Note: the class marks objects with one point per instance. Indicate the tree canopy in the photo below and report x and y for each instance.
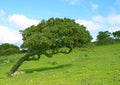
(52, 36)
(8, 49)
(116, 34)
(104, 37)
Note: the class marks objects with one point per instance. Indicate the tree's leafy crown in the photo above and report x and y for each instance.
(116, 34)
(8, 49)
(54, 34)
(103, 35)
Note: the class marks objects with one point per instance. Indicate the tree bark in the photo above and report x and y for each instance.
(21, 60)
(18, 64)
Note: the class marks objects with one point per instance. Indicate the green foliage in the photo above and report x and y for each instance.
(53, 35)
(8, 49)
(116, 34)
(103, 35)
(104, 38)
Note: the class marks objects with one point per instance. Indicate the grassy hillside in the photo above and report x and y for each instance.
(96, 66)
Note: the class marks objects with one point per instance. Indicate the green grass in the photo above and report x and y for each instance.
(95, 66)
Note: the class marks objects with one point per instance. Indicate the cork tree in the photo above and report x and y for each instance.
(52, 36)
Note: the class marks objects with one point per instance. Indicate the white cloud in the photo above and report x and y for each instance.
(110, 23)
(94, 6)
(114, 19)
(9, 36)
(73, 2)
(114, 22)
(89, 24)
(112, 28)
(2, 13)
(100, 23)
(22, 21)
(99, 19)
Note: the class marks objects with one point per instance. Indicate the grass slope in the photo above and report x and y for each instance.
(96, 66)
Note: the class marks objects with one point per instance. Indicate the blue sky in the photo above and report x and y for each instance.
(96, 15)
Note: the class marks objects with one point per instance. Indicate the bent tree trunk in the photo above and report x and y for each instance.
(21, 60)
(17, 65)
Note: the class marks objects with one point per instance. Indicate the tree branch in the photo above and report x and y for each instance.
(33, 58)
(49, 55)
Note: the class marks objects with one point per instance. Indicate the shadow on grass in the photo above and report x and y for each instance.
(46, 68)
